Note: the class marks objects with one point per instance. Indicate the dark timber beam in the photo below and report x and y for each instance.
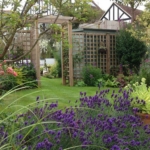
(113, 12)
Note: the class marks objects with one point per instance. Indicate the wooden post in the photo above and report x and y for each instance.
(35, 54)
(108, 53)
(62, 59)
(70, 54)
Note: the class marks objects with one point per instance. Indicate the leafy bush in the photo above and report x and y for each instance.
(107, 81)
(91, 74)
(7, 78)
(54, 70)
(145, 71)
(133, 79)
(48, 75)
(130, 50)
(41, 70)
(80, 83)
(94, 124)
(112, 83)
(57, 56)
(142, 93)
(7, 82)
(27, 74)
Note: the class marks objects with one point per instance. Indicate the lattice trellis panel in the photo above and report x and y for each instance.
(101, 56)
(90, 49)
(89, 44)
(113, 58)
(78, 54)
(65, 55)
(20, 45)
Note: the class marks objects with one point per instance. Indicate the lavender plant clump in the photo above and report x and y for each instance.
(96, 124)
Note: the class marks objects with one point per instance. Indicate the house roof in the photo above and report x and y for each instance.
(125, 9)
(128, 10)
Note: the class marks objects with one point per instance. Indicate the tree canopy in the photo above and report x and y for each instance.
(16, 15)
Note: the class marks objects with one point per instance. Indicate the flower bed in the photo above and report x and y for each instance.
(95, 124)
(11, 77)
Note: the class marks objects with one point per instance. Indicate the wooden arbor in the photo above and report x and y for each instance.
(65, 21)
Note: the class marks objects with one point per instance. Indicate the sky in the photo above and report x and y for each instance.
(105, 4)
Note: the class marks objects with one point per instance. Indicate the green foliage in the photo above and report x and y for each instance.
(122, 80)
(114, 70)
(145, 71)
(48, 75)
(91, 74)
(81, 9)
(80, 84)
(57, 57)
(140, 91)
(134, 78)
(26, 75)
(20, 79)
(54, 70)
(112, 83)
(107, 81)
(7, 82)
(130, 50)
(78, 58)
(41, 70)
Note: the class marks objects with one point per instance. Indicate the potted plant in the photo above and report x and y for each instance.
(141, 94)
(102, 49)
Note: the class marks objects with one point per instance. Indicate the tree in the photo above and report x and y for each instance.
(23, 14)
(130, 50)
(134, 4)
(141, 27)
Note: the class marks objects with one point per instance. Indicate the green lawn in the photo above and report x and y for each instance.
(51, 89)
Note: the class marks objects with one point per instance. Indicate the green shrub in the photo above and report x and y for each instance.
(41, 70)
(57, 56)
(91, 74)
(80, 84)
(26, 74)
(130, 50)
(145, 71)
(48, 75)
(7, 82)
(54, 70)
(142, 93)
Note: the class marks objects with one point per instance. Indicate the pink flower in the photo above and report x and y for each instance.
(11, 71)
(2, 72)
(15, 74)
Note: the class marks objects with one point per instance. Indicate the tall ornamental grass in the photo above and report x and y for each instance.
(94, 124)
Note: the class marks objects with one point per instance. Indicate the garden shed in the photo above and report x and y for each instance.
(91, 46)
(94, 43)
